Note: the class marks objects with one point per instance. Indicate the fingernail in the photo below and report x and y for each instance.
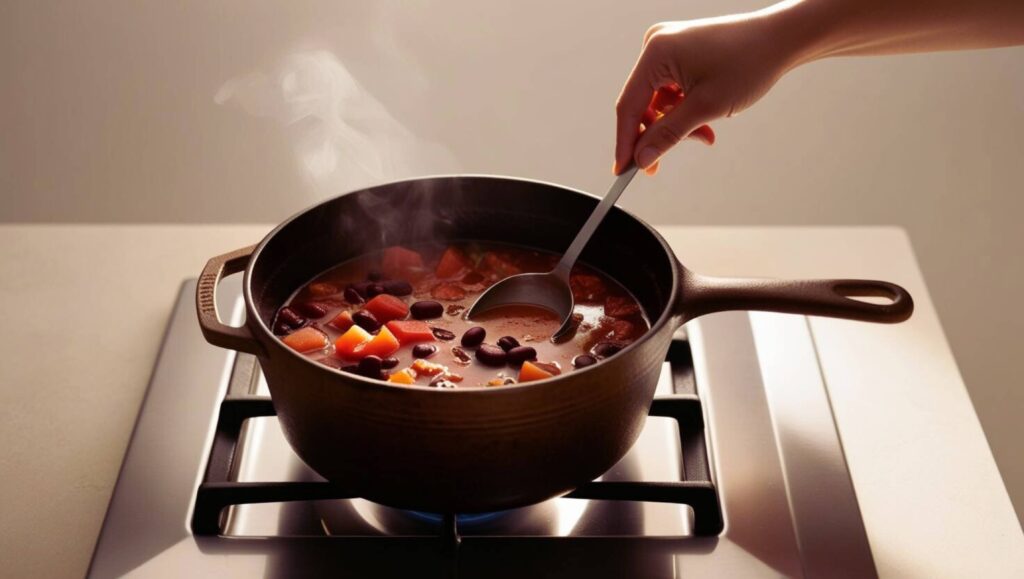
(647, 157)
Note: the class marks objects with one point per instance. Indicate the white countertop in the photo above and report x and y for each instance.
(84, 308)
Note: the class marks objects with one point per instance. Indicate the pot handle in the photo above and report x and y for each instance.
(215, 331)
(831, 298)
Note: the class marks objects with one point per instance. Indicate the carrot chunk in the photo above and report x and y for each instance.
(403, 377)
(530, 372)
(342, 321)
(453, 263)
(387, 307)
(399, 262)
(411, 331)
(306, 340)
(383, 344)
(347, 345)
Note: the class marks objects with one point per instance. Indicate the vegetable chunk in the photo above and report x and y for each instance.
(531, 372)
(411, 331)
(454, 262)
(399, 262)
(306, 340)
(383, 344)
(347, 345)
(387, 307)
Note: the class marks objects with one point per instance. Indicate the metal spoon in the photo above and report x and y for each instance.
(551, 290)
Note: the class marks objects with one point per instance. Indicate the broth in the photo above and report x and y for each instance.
(398, 315)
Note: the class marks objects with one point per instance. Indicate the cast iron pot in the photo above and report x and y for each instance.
(482, 449)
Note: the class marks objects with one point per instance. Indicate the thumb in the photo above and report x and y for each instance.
(668, 131)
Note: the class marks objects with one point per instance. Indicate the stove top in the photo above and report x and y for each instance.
(739, 472)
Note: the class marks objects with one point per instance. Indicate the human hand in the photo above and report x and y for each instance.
(720, 65)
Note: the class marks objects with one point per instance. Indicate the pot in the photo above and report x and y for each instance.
(484, 449)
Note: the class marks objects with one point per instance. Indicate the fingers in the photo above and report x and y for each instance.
(685, 118)
(629, 111)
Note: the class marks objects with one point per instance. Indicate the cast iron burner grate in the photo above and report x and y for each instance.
(696, 489)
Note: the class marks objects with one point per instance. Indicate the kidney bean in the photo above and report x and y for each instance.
(443, 334)
(281, 328)
(461, 356)
(366, 321)
(371, 366)
(423, 350)
(352, 296)
(397, 287)
(474, 337)
(374, 290)
(507, 343)
(362, 288)
(606, 349)
(389, 363)
(516, 356)
(584, 360)
(491, 355)
(291, 317)
(310, 309)
(426, 310)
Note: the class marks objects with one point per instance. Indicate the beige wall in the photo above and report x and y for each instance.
(107, 113)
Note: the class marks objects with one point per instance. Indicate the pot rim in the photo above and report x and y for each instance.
(251, 315)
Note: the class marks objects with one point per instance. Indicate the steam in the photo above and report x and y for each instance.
(343, 137)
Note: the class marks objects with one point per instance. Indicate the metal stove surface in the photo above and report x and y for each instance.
(785, 491)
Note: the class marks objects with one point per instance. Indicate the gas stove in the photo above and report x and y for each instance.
(739, 472)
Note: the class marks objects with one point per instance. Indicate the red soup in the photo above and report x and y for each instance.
(399, 315)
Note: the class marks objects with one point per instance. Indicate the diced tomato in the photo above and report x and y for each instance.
(448, 291)
(453, 263)
(306, 340)
(342, 321)
(347, 345)
(321, 289)
(411, 331)
(620, 307)
(399, 262)
(531, 372)
(403, 377)
(387, 307)
(383, 344)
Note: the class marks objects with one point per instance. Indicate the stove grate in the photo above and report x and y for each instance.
(697, 490)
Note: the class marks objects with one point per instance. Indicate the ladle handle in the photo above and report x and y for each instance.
(568, 260)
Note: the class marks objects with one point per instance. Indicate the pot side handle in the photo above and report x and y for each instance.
(214, 330)
(831, 298)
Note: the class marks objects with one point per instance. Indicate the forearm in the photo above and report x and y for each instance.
(822, 28)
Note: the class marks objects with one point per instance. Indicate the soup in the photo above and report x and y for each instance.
(399, 315)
